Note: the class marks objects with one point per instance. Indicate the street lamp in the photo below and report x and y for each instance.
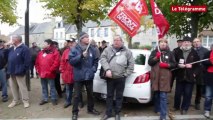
(27, 40)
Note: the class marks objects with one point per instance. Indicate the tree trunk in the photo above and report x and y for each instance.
(79, 21)
(79, 26)
(129, 39)
(194, 20)
(194, 24)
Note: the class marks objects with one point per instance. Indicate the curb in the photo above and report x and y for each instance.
(177, 117)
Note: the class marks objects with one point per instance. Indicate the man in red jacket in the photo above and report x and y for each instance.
(67, 73)
(47, 63)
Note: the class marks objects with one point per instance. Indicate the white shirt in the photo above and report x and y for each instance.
(17, 46)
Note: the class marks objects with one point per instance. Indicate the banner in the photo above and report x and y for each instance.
(160, 21)
(127, 14)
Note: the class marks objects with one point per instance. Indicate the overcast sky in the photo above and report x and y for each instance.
(37, 15)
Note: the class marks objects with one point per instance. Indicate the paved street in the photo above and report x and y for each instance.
(50, 112)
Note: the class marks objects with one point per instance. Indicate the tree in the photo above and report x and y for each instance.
(182, 24)
(78, 12)
(7, 11)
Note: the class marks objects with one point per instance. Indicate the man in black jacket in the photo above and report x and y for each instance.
(186, 74)
(3, 62)
(199, 78)
(175, 50)
(103, 46)
(34, 50)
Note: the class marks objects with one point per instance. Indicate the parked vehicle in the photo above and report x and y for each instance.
(138, 84)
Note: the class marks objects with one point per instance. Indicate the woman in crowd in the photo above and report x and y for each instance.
(161, 62)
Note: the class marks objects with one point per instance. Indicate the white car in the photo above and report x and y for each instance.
(138, 84)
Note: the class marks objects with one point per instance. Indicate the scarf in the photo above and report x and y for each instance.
(83, 46)
(186, 51)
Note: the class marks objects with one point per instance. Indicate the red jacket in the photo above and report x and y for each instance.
(47, 63)
(65, 67)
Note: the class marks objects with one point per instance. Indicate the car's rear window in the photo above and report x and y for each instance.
(140, 59)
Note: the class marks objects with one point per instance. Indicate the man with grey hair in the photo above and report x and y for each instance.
(18, 65)
(118, 63)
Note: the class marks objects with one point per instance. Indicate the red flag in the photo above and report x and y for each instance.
(160, 21)
(127, 14)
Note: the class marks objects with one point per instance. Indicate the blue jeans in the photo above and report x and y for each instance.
(160, 99)
(208, 98)
(69, 89)
(183, 92)
(44, 84)
(3, 81)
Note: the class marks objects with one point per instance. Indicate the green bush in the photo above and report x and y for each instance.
(135, 46)
(143, 47)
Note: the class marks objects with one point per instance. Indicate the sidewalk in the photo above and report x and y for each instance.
(50, 112)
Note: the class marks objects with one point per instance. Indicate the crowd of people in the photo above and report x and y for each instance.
(190, 65)
(77, 63)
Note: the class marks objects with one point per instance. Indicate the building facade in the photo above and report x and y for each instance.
(59, 31)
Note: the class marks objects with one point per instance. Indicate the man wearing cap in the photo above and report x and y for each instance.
(84, 62)
(3, 62)
(179, 44)
(67, 73)
(186, 74)
(175, 50)
(64, 47)
(199, 78)
(34, 50)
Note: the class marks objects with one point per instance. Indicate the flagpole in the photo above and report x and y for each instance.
(156, 37)
(160, 23)
(194, 62)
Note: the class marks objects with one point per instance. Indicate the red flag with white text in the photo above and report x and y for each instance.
(127, 14)
(160, 21)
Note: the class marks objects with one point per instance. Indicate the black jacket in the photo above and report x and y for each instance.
(201, 51)
(3, 57)
(175, 51)
(34, 52)
(187, 74)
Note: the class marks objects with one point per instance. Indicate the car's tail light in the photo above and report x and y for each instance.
(142, 78)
